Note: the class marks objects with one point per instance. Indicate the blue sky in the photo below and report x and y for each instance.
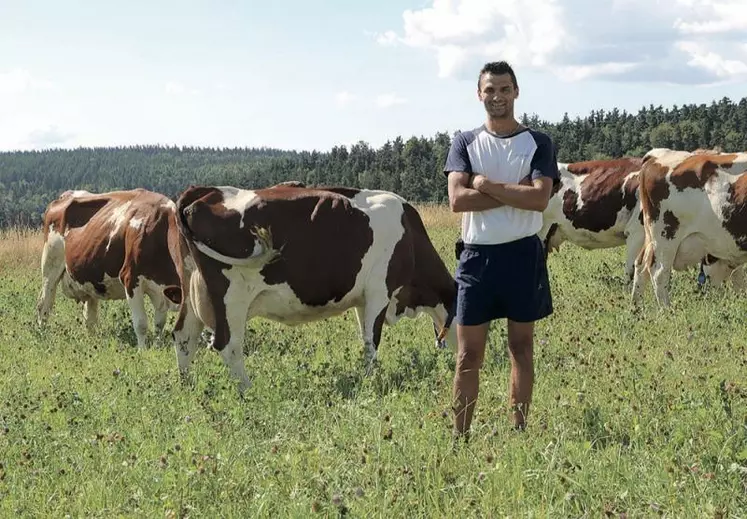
(311, 75)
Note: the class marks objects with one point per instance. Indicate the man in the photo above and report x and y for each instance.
(500, 177)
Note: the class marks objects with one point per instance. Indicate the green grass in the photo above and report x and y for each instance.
(633, 415)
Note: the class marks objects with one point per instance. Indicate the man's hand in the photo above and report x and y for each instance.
(527, 194)
(480, 181)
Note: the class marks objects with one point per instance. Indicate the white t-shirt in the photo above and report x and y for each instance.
(502, 159)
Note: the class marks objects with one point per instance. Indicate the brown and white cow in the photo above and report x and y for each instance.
(294, 255)
(693, 205)
(116, 245)
(595, 206)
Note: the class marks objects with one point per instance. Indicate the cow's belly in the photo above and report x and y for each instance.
(594, 240)
(108, 288)
(279, 303)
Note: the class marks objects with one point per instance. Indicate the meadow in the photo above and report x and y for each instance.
(634, 414)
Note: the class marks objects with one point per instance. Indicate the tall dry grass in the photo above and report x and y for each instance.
(20, 247)
(438, 216)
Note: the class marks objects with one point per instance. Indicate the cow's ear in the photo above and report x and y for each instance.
(174, 294)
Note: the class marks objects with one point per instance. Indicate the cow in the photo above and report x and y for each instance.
(111, 246)
(294, 254)
(694, 206)
(595, 206)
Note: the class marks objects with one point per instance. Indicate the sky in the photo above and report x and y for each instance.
(310, 75)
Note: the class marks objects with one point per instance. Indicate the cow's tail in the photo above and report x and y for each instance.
(263, 252)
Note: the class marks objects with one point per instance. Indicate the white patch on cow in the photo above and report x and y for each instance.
(136, 223)
(235, 199)
(169, 204)
(116, 220)
(112, 288)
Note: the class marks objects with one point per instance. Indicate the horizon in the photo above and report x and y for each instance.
(348, 146)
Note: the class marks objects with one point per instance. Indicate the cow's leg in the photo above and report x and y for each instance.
(661, 271)
(53, 268)
(160, 311)
(186, 337)
(136, 301)
(633, 245)
(91, 313)
(237, 303)
(640, 278)
(372, 316)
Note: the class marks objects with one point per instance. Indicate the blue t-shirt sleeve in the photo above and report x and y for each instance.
(458, 158)
(544, 162)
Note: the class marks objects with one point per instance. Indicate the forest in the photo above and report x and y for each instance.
(411, 166)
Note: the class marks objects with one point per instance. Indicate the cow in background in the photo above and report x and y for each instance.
(111, 246)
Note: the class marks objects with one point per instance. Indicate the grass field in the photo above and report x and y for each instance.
(633, 415)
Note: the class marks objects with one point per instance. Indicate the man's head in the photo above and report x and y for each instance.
(497, 89)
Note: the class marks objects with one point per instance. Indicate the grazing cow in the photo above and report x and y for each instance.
(693, 205)
(294, 255)
(116, 245)
(595, 206)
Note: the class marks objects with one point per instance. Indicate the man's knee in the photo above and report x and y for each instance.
(470, 358)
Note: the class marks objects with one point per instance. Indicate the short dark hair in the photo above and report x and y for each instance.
(497, 68)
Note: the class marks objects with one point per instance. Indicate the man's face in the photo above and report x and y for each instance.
(497, 93)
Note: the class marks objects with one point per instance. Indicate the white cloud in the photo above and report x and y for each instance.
(176, 88)
(388, 38)
(33, 132)
(672, 41)
(710, 61)
(388, 100)
(345, 98)
(19, 81)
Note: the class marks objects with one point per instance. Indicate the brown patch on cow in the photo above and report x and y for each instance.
(630, 193)
(653, 188)
(671, 224)
(314, 249)
(695, 171)
(735, 213)
(570, 199)
(602, 192)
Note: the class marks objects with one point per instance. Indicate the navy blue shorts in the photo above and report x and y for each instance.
(506, 280)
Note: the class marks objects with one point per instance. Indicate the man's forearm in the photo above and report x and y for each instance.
(515, 195)
(468, 199)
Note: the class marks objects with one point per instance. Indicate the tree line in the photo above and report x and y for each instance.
(29, 180)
